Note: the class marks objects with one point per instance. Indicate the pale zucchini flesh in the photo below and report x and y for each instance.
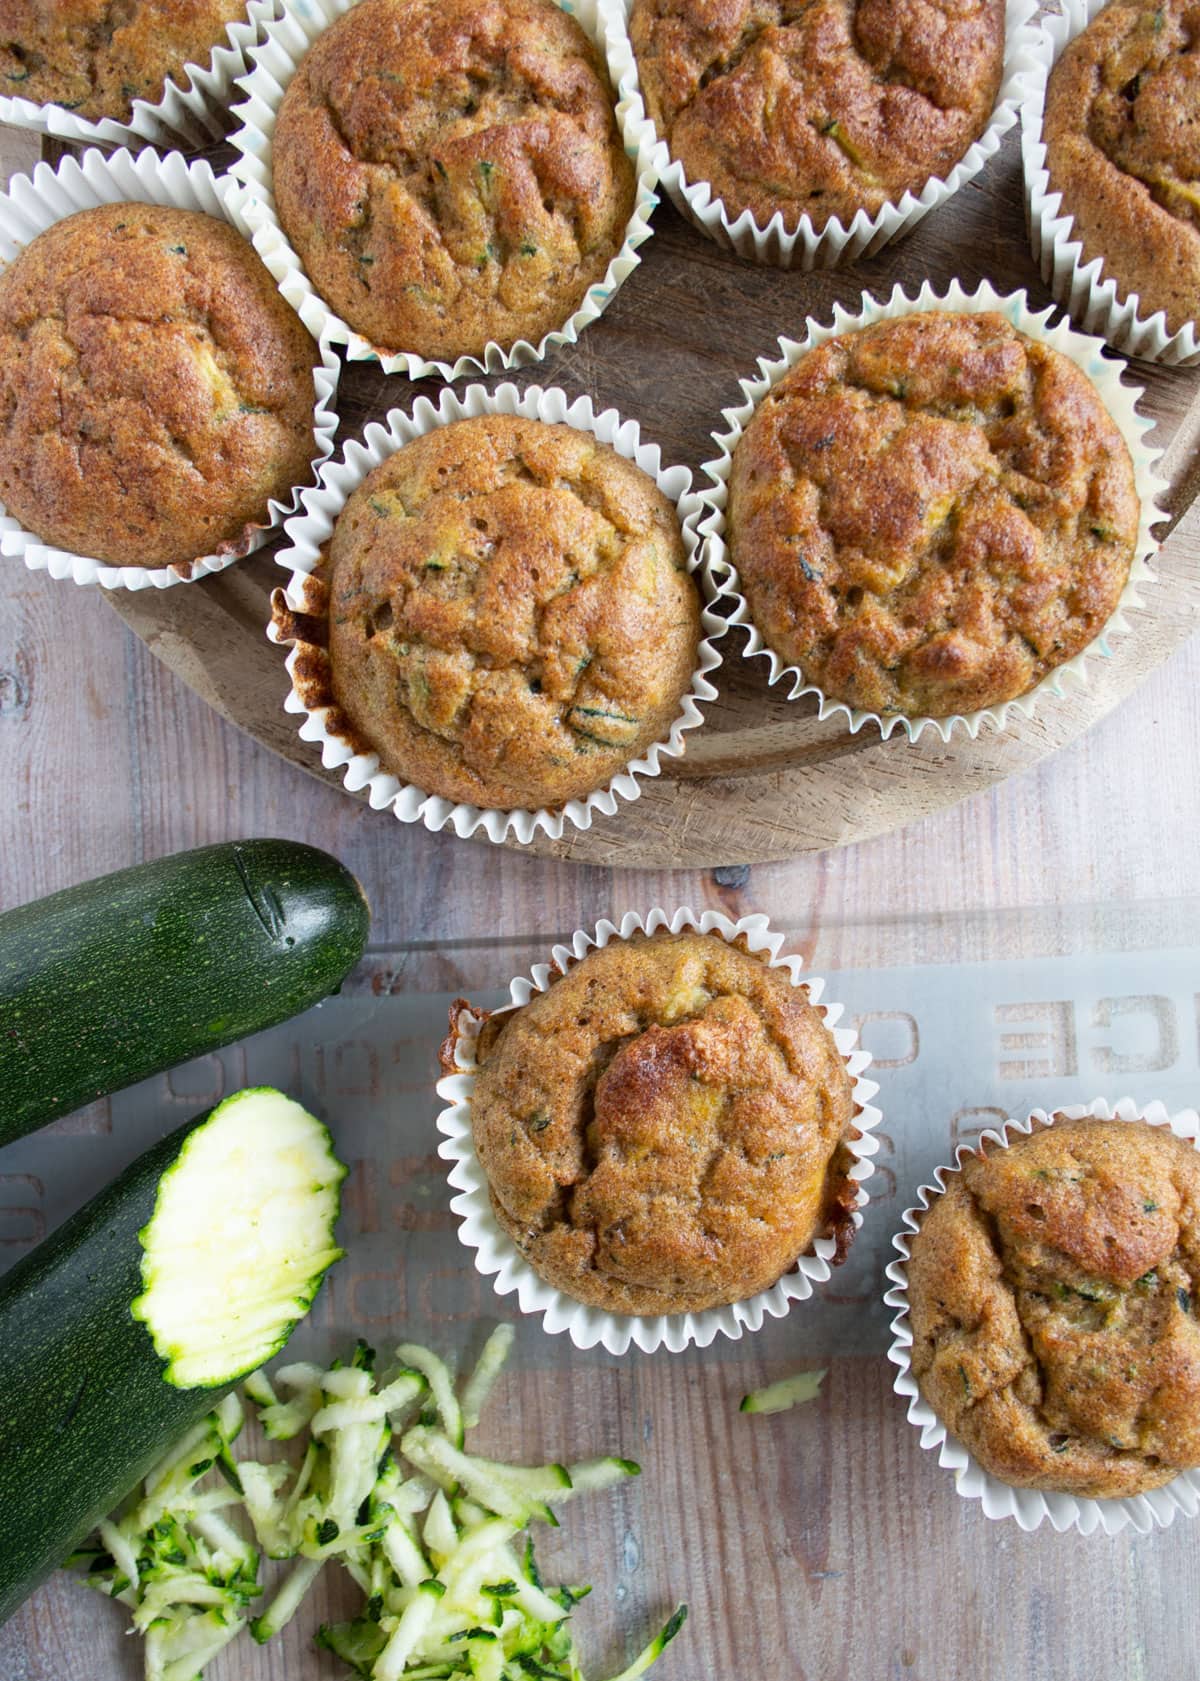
(488, 1367)
(787, 1392)
(240, 1238)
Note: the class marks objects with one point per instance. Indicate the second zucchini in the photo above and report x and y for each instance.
(182, 1276)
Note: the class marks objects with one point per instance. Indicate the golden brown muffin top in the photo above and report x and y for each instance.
(664, 1130)
(155, 389)
(95, 58)
(931, 514)
(1054, 1293)
(1122, 132)
(511, 619)
(818, 107)
(450, 172)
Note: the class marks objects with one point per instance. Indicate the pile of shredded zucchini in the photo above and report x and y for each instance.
(171, 1555)
(433, 1535)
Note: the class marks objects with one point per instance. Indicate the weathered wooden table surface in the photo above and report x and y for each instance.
(840, 1549)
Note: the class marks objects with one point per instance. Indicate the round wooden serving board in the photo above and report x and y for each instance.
(763, 779)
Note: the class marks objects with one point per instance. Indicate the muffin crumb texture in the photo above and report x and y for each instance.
(818, 108)
(931, 514)
(155, 390)
(511, 621)
(1122, 133)
(1054, 1294)
(450, 171)
(664, 1130)
(94, 57)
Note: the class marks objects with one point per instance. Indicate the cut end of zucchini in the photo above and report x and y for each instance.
(240, 1238)
(788, 1392)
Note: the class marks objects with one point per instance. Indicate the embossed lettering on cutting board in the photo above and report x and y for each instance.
(21, 1225)
(903, 1039)
(1046, 1028)
(1154, 1019)
(967, 1124)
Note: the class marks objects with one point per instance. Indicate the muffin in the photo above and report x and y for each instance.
(449, 172)
(1053, 1293)
(155, 389)
(511, 620)
(95, 59)
(1122, 134)
(930, 514)
(665, 1129)
(819, 110)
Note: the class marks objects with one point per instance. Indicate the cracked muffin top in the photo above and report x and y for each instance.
(95, 57)
(1122, 133)
(932, 513)
(818, 107)
(450, 172)
(155, 389)
(664, 1130)
(511, 620)
(1054, 1293)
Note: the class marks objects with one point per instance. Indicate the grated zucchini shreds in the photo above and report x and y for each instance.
(432, 1534)
(186, 1575)
(487, 1369)
(788, 1392)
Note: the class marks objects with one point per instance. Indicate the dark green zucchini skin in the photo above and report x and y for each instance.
(84, 1410)
(119, 978)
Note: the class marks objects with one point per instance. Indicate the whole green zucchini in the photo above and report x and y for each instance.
(181, 1277)
(119, 978)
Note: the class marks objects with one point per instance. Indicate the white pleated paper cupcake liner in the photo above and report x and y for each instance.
(191, 109)
(1092, 298)
(724, 582)
(495, 1254)
(311, 528)
(274, 63)
(1029, 1506)
(806, 247)
(34, 203)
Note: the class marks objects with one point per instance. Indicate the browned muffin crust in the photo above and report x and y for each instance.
(931, 514)
(450, 172)
(511, 619)
(818, 107)
(95, 57)
(1054, 1294)
(1122, 132)
(665, 1129)
(155, 389)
